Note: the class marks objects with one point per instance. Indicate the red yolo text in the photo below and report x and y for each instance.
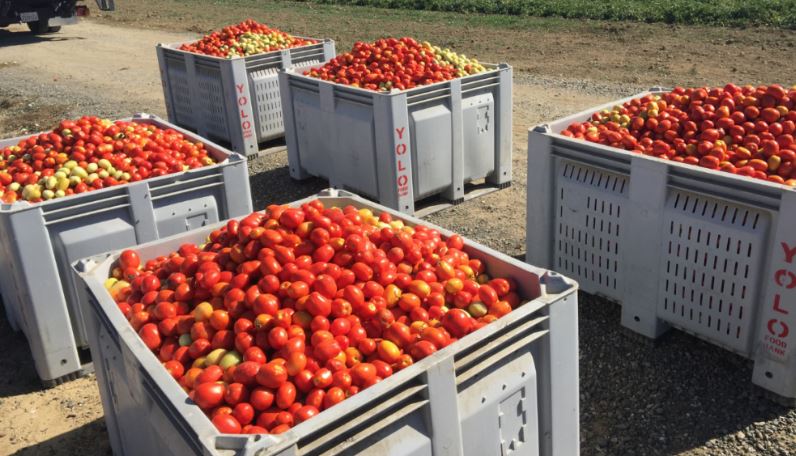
(777, 327)
(400, 160)
(245, 122)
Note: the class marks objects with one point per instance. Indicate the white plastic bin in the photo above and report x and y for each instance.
(508, 388)
(705, 251)
(38, 242)
(400, 147)
(232, 101)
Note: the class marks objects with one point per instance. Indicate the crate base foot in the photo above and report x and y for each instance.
(646, 324)
(84, 371)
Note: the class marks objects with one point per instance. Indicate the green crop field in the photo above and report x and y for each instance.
(776, 13)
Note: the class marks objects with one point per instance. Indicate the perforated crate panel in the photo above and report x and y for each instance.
(180, 89)
(711, 265)
(589, 208)
(268, 101)
(211, 100)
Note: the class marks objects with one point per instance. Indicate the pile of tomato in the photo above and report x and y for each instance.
(288, 312)
(395, 63)
(748, 131)
(92, 153)
(247, 38)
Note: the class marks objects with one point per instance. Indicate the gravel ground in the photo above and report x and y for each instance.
(677, 395)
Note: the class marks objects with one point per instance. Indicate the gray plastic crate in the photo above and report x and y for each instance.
(232, 101)
(705, 251)
(403, 146)
(509, 388)
(38, 242)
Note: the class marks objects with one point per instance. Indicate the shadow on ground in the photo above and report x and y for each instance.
(275, 186)
(662, 397)
(20, 38)
(83, 438)
(17, 374)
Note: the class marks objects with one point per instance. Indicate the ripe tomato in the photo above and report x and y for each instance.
(226, 424)
(129, 259)
(272, 375)
(261, 398)
(209, 395)
(285, 395)
(363, 374)
(244, 413)
(150, 334)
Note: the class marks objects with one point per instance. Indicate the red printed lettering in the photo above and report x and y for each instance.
(400, 149)
(778, 278)
(400, 165)
(778, 329)
(783, 328)
(246, 125)
(243, 101)
(790, 252)
(777, 302)
(239, 87)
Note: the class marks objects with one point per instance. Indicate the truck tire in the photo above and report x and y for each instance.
(41, 27)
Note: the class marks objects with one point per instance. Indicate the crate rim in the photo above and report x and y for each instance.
(199, 422)
(492, 69)
(141, 117)
(728, 178)
(175, 47)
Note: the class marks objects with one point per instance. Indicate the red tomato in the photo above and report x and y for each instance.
(227, 424)
(209, 395)
(150, 334)
(272, 375)
(244, 413)
(363, 373)
(306, 412)
(457, 322)
(129, 259)
(261, 398)
(285, 395)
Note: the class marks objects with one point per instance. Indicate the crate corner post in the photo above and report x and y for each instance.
(559, 401)
(171, 113)
(444, 404)
(540, 194)
(393, 152)
(504, 135)
(647, 197)
(239, 99)
(775, 364)
(54, 356)
(295, 169)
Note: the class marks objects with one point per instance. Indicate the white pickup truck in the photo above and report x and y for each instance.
(46, 16)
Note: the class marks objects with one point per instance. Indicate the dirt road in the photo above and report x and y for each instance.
(636, 398)
(93, 57)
